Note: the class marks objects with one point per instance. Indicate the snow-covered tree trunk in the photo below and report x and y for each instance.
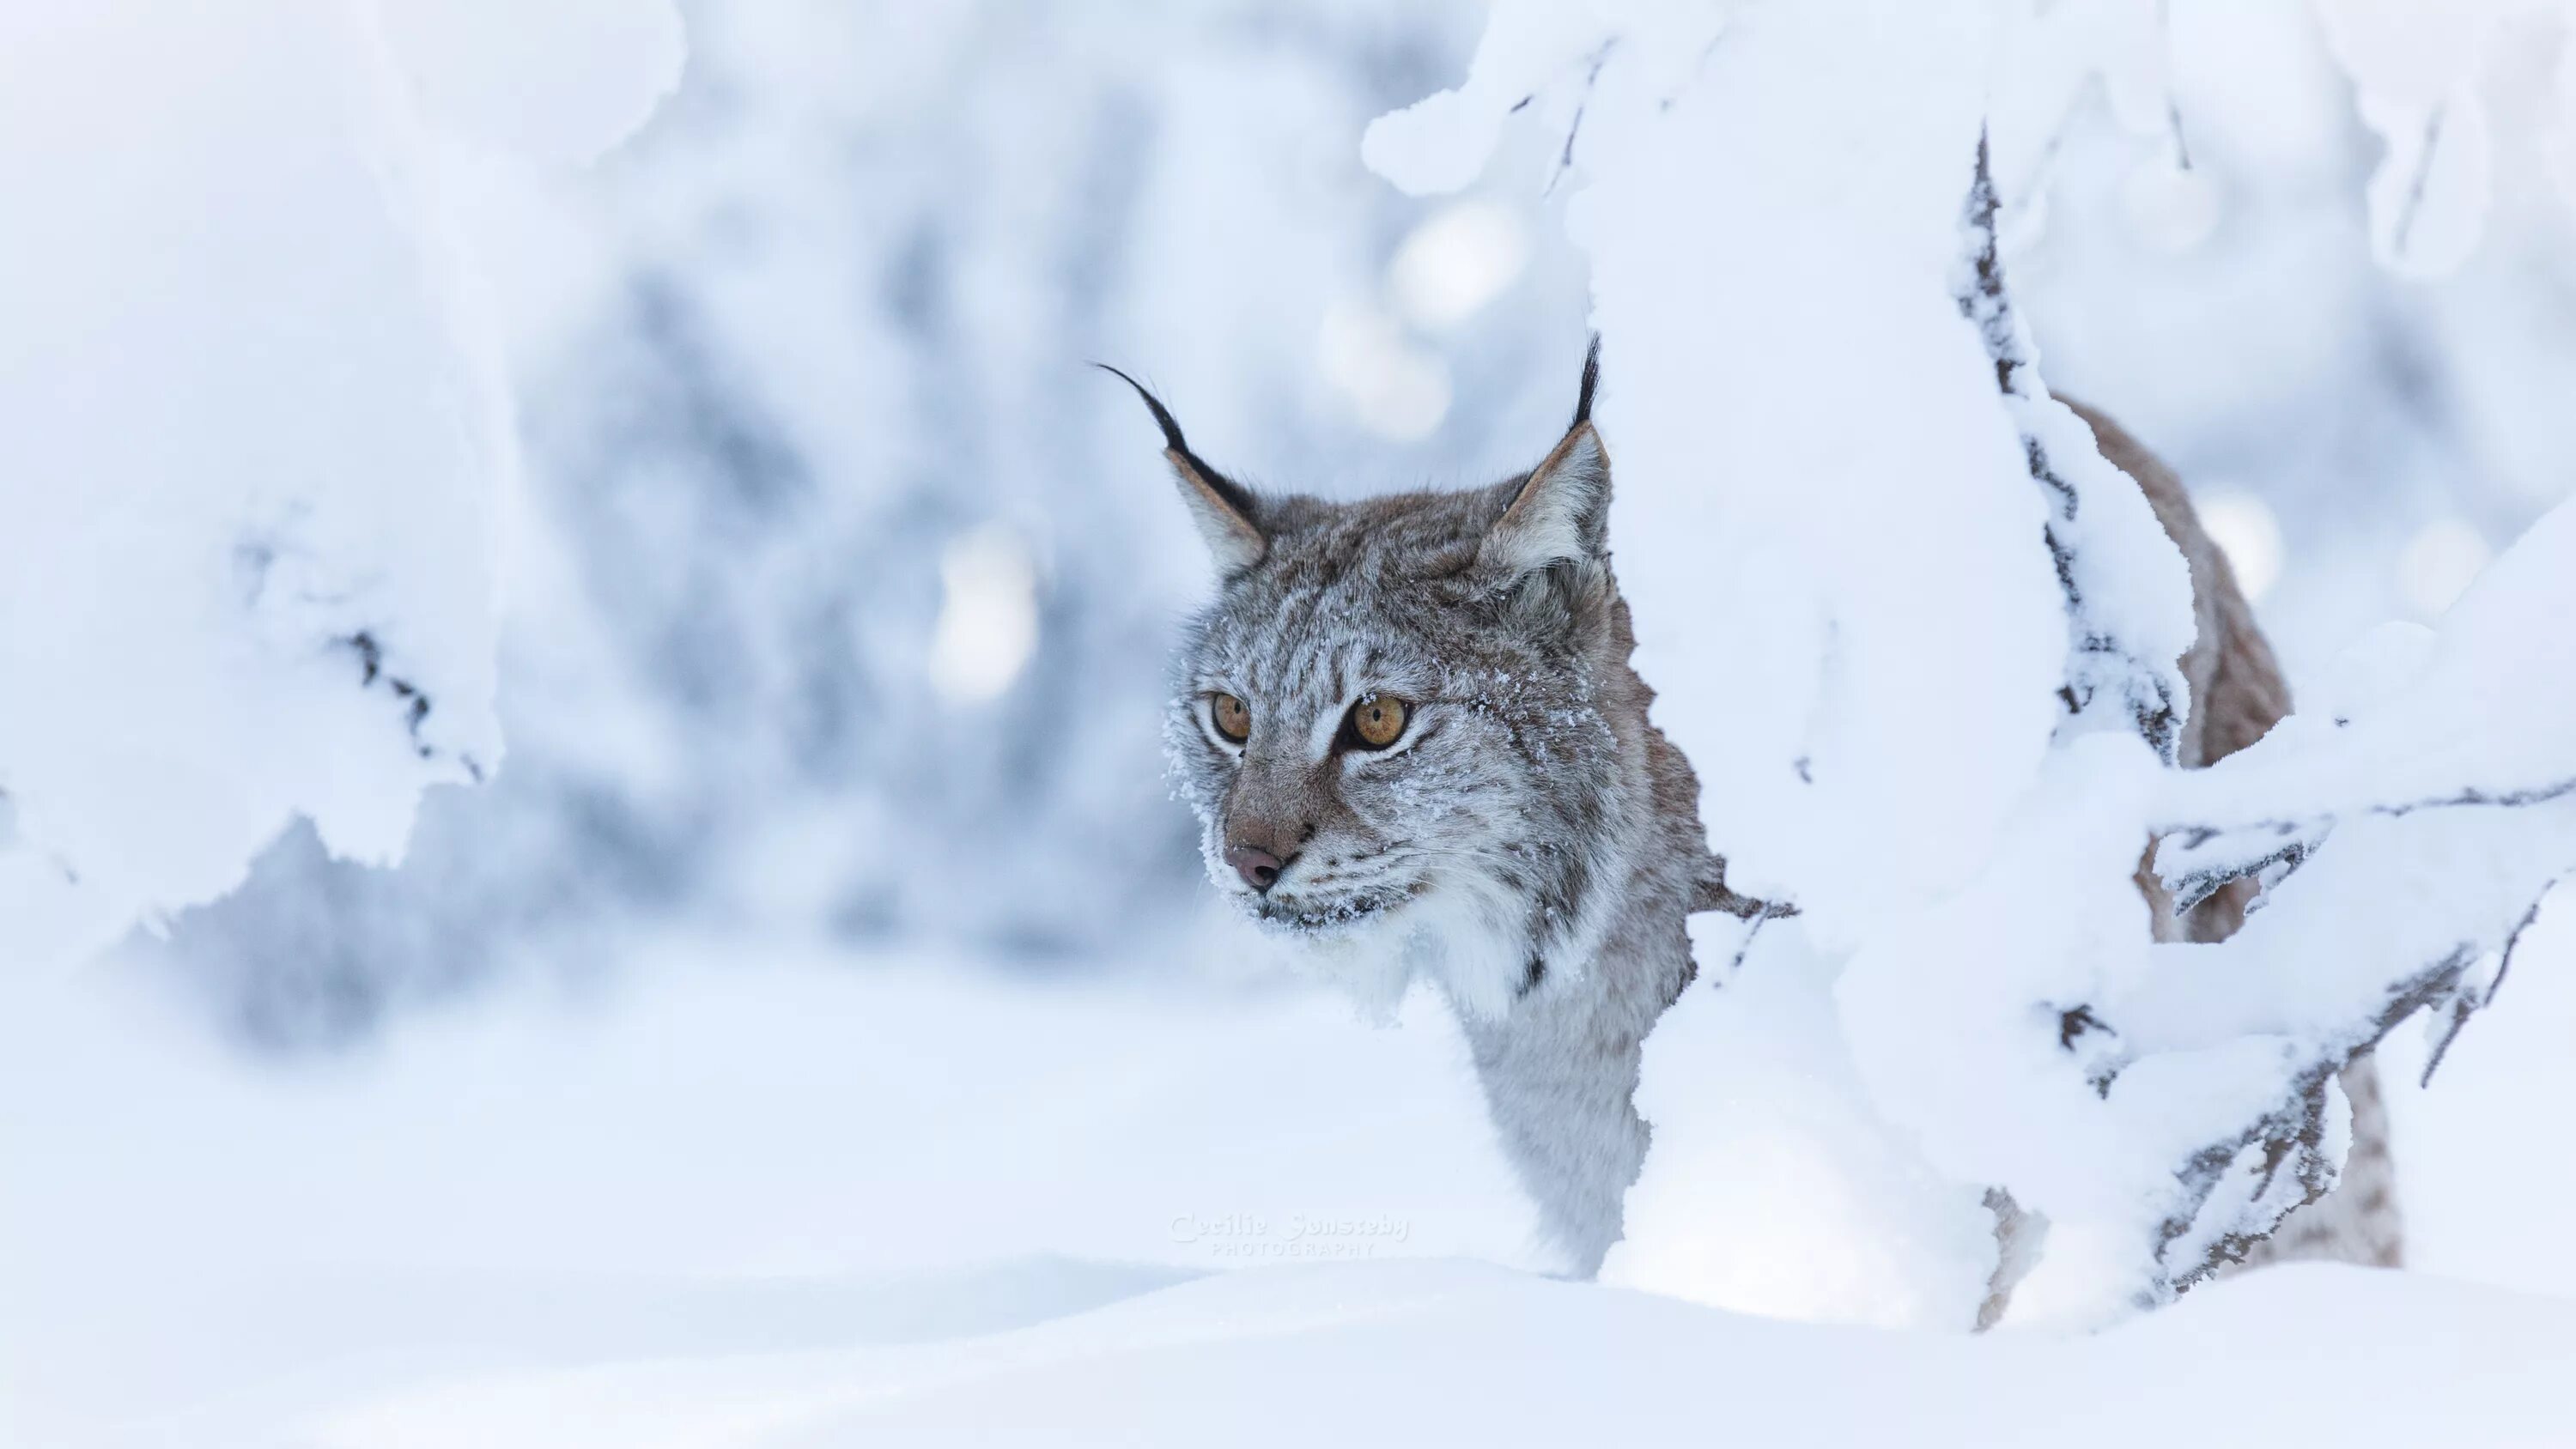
(1928, 674)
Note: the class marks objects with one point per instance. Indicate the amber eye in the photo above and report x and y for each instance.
(1377, 722)
(1233, 717)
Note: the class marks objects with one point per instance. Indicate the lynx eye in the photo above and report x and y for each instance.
(1376, 722)
(1233, 718)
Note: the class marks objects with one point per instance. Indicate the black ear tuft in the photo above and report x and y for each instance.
(1227, 514)
(1172, 438)
(1582, 404)
(1233, 494)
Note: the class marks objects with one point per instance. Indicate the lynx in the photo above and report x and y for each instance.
(1413, 740)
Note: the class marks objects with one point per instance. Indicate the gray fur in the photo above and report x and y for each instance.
(1532, 845)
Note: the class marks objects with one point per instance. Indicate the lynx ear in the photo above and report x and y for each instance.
(1562, 509)
(1226, 512)
(1561, 512)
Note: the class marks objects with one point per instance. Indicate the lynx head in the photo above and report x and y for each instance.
(1407, 724)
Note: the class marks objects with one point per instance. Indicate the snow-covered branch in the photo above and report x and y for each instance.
(1925, 645)
(2127, 624)
(258, 446)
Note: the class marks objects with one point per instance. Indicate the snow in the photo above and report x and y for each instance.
(1722, 395)
(2487, 703)
(1833, 421)
(2416, 69)
(814, 1199)
(1774, 1185)
(260, 444)
(788, 1152)
(559, 83)
(1754, 300)
(1448, 1352)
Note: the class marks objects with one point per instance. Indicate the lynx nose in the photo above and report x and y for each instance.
(1259, 868)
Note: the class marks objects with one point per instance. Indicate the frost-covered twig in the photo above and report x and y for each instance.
(2195, 878)
(2197, 859)
(2281, 1153)
(2466, 998)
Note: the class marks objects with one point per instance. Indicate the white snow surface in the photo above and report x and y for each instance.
(814, 1199)
(1446, 1351)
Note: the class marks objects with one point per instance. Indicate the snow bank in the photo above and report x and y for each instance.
(257, 446)
(1775, 1185)
(745, 1182)
(736, 1150)
(1451, 1352)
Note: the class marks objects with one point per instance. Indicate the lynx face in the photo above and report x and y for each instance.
(1387, 726)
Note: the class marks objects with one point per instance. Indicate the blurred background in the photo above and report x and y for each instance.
(842, 585)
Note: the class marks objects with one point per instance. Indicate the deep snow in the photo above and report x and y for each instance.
(877, 1202)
